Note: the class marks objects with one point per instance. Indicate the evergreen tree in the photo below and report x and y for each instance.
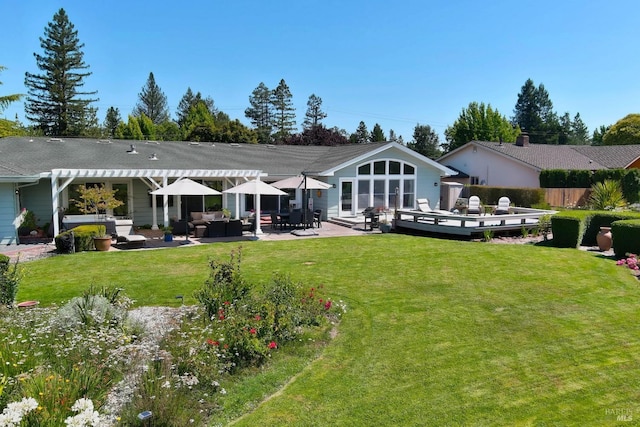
(564, 137)
(392, 136)
(111, 121)
(579, 131)
(260, 113)
(54, 102)
(426, 142)
(314, 114)
(189, 99)
(534, 114)
(598, 135)
(284, 116)
(152, 102)
(5, 100)
(377, 134)
(361, 135)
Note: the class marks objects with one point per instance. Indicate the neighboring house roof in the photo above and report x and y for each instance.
(542, 156)
(611, 156)
(41, 155)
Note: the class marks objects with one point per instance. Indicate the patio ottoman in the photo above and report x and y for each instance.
(201, 230)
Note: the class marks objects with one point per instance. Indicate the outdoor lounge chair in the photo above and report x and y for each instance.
(124, 234)
(503, 206)
(424, 206)
(474, 207)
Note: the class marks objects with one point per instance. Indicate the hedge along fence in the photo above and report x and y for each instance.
(82, 238)
(572, 229)
(561, 178)
(525, 197)
(626, 237)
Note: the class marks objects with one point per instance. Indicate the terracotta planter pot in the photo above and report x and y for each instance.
(604, 239)
(102, 243)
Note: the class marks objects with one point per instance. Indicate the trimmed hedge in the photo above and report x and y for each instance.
(626, 237)
(82, 238)
(525, 197)
(572, 229)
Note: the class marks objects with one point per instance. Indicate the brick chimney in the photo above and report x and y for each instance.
(522, 140)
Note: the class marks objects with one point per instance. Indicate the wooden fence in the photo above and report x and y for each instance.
(567, 197)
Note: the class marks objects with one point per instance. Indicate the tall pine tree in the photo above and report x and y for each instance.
(152, 102)
(284, 117)
(314, 115)
(377, 134)
(534, 114)
(111, 121)
(54, 101)
(260, 113)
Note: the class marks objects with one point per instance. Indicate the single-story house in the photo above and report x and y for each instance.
(519, 165)
(42, 175)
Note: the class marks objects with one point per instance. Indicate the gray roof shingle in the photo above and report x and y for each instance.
(36, 155)
(541, 156)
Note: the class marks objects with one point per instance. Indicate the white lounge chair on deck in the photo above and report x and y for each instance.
(474, 206)
(503, 206)
(124, 233)
(423, 205)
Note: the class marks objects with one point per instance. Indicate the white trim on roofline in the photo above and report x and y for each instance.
(155, 173)
(445, 170)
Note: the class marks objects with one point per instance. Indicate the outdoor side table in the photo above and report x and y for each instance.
(201, 230)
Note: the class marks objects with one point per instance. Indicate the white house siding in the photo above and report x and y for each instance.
(493, 169)
(8, 212)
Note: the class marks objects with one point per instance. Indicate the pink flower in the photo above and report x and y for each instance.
(327, 306)
(273, 344)
(253, 331)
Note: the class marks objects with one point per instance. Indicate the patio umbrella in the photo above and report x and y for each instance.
(186, 187)
(299, 182)
(304, 182)
(255, 187)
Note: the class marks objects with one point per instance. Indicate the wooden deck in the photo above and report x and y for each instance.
(467, 225)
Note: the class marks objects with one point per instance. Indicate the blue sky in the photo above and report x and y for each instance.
(396, 63)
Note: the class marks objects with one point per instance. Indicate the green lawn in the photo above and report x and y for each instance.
(437, 332)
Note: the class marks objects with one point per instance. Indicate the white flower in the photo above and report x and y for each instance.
(82, 405)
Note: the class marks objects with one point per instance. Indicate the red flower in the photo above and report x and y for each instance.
(327, 306)
(273, 344)
(252, 331)
(227, 303)
(212, 342)
(221, 317)
(258, 317)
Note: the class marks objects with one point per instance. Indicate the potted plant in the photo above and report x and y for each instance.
(102, 241)
(28, 223)
(168, 233)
